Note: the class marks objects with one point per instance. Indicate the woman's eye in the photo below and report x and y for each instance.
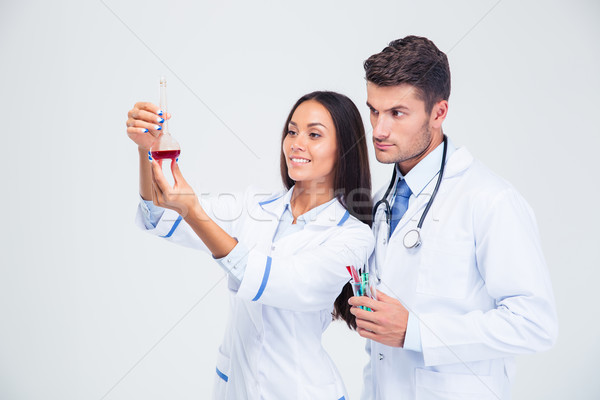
(290, 132)
(314, 135)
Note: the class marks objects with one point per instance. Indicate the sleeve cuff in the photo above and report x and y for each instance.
(151, 213)
(235, 262)
(412, 339)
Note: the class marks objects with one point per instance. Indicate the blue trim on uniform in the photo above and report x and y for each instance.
(263, 284)
(262, 203)
(344, 218)
(342, 398)
(225, 377)
(177, 221)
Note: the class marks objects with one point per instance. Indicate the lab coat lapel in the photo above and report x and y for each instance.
(458, 162)
(331, 215)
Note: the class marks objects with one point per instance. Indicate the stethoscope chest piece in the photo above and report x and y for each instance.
(412, 239)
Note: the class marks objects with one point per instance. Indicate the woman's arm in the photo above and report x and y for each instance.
(144, 123)
(181, 198)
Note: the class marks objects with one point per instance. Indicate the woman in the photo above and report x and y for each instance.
(286, 255)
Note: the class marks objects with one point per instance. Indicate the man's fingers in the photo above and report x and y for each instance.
(366, 333)
(384, 297)
(359, 313)
(363, 301)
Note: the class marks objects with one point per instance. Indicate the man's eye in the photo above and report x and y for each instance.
(397, 113)
(373, 111)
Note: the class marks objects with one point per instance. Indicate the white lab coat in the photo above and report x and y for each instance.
(272, 346)
(478, 284)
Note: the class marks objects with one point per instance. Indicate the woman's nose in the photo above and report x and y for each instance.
(299, 144)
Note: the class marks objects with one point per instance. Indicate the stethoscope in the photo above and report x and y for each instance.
(412, 238)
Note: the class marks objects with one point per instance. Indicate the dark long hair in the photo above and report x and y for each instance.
(352, 176)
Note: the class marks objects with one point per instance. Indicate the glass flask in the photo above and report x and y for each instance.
(164, 147)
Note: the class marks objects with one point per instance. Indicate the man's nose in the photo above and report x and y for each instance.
(381, 128)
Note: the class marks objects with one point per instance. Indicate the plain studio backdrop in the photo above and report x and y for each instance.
(93, 308)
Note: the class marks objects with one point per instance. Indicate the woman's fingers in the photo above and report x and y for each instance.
(159, 178)
(177, 176)
(146, 106)
(146, 116)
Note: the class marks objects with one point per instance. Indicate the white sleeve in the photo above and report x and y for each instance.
(510, 260)
(310, 280)
(223, 209)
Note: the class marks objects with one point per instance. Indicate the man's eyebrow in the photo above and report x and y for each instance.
(396, 107)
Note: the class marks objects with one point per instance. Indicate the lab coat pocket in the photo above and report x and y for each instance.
(432, 385)
(222, 376)
(445, 268)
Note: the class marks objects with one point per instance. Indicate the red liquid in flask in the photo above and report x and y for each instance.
(164, 154)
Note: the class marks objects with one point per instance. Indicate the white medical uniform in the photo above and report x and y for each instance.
(477, 289)
(272, 346)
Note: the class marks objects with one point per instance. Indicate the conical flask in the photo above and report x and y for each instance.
(164, 147)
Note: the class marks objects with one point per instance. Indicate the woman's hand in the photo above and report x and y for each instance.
(144, 124)
(179, 197)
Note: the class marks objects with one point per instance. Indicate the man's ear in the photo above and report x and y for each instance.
(438, 114)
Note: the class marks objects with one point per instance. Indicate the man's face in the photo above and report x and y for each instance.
(401, 127)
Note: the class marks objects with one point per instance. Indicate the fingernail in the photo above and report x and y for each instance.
(145, 130)
(160, 112)
(158, 127)
(150, 158)
(149, 154)
(160, 120)
(177, 159)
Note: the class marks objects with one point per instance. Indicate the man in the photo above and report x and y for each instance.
(460, 298)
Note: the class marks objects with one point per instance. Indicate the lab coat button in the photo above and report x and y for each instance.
(380, 356)
(229, 260)
(384, 241)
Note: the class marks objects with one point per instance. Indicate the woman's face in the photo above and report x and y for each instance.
(310, 146)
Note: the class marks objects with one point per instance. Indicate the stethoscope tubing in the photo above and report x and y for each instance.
(412, 238)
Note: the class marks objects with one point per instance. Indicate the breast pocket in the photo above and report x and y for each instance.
(445, 268)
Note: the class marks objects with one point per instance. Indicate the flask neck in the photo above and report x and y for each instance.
(163, 105)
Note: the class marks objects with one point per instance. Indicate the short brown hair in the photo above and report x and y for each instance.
(415, 61)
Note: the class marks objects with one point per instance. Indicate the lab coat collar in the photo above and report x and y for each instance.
(426, 170)
(456, 163)
(327, 214)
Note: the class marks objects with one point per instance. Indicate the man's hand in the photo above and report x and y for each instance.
(387, 322)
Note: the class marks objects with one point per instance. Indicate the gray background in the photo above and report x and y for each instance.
(92, 308)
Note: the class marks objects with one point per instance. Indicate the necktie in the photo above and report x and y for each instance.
(400, 204)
